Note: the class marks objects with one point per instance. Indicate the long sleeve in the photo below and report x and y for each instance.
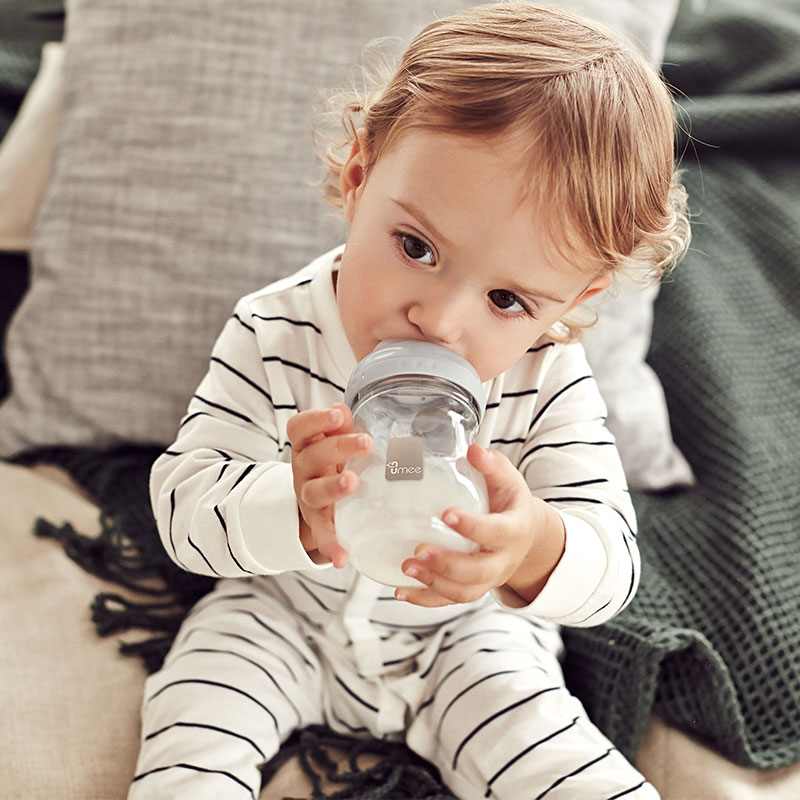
(223, 493)
(569, 459)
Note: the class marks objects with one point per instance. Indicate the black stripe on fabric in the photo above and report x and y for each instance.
(296, 611)
(505, 395)
(245, 472)
(297, 322)
(220, 407)
(575, 772)
(247, 640)
(354, 695)
(171, 538)
(466, 689)
(525, 752)
(444, 648)
(574, 499)
(218, 685)
(352, 728)
(313, 596)
(258, 666)
(518, 440)
(196, 769)
(594, 613)
(224, 527)
(172, 505)
(204, 726)
(339, 589)
(629, 595)
(577, 484)
(625, 521)
(627, 791)
(302, 368)
(243, 323)
(210, 599)
(186, 420)
(495, 716)
(426, 626)
(540, 347)
(202, 555)
(239, 374)
(438, 685)
(555, 397)
(275, 633)
(565, 444)
(411, 656)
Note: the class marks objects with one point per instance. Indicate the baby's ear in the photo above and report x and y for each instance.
(598, 284)
(354, 173)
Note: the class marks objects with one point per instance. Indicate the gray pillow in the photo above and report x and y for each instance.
(181, 179)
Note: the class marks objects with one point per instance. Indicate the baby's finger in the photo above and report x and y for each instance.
(331, 550)
(422, 597)
(460, 577)
(325, 540)
(479, 528)
(306, 427)
(326, 454)
(319, 493)
(502, 477)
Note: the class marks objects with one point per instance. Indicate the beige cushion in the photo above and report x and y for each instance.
(70, 702)
(26, 149)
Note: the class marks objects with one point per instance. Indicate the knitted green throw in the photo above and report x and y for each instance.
(712, 639)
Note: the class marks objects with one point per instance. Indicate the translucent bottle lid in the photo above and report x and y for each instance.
(398, 357)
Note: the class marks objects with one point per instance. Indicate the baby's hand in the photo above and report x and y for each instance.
(521, 540)
(322, 442)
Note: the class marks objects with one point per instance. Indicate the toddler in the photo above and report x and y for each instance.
(516, 159)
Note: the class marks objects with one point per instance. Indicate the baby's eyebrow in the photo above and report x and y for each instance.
(538, 294)
(421, 217)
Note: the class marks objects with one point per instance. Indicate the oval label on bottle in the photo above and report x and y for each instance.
(404, 458)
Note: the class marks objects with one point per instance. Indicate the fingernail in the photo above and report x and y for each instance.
(335, 416)
(412, 572)
(362, 441)
(451, 519)
(401, 596)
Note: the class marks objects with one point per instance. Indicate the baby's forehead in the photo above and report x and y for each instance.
(442, 176)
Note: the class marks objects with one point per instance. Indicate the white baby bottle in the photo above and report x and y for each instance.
(422, 404)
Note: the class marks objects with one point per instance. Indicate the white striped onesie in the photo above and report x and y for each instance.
(282, 643)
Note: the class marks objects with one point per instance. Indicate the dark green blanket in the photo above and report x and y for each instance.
(712, 640)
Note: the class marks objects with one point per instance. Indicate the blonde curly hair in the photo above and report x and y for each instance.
(597, 121)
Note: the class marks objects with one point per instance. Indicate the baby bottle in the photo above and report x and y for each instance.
(422, 404)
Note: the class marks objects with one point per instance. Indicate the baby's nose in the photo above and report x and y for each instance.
(441, 318)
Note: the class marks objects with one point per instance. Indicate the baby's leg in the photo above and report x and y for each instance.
(498, 722)
(238, 680)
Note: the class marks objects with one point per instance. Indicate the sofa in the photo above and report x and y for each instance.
(157, 164)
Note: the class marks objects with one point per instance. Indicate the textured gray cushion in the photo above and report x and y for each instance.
(181, 180)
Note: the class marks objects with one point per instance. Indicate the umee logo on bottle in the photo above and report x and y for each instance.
(404, 459)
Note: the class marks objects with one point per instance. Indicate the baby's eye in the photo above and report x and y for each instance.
(507, 301)
(417, 250)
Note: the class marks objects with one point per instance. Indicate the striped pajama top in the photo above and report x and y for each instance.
(223, 494)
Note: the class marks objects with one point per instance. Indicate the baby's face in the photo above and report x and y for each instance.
(444, 247)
